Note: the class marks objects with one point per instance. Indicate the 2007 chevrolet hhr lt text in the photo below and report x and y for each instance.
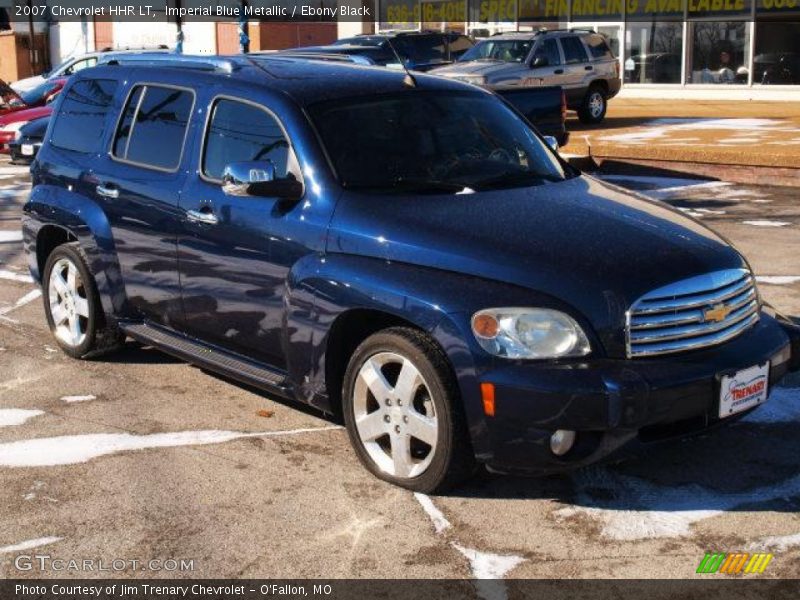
(402, 250)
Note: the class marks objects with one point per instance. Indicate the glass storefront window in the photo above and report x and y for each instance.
(653, 52)
(719, 52)
(399, 14)
(777, 53)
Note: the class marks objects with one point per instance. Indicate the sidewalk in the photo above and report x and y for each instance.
(745, 135)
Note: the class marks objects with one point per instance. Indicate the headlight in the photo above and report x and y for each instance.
(529, 333)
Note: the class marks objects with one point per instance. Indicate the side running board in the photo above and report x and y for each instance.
(210, 357)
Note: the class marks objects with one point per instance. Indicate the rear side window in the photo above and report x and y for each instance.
(459, 45)
(549, 50)
(573, 50)
(243, 132)
(597, 46)
(152, 128)
(80, 122)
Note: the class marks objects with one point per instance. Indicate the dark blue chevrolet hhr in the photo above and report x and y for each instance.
(403, 251)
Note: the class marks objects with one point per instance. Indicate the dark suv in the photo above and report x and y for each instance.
(419, 51)
(578, 60)
(403, 251)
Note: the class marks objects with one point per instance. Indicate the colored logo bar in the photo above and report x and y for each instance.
(737, 562)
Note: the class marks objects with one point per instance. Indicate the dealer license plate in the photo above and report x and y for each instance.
(744, 389)
(27, 149)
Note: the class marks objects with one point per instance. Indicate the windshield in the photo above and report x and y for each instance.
(432, 142)
(38, 94)
(505, 50)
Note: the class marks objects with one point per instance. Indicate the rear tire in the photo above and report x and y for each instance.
(595, 104)
(403, 414)
(72, 305)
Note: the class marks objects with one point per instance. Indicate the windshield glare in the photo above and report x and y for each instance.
(505, 50)
(432, 141)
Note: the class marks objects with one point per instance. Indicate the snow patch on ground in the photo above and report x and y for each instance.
(631, 508)
(440, 522)
(71, 399)
(10, 236)
(16, 416)
(28, 544)
(75, 449)
(776, 543)
(10, 275)
(766, 223)
(660, 128)
(778, 279)
(486, 565)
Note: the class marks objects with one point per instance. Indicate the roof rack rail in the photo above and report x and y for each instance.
(567, 29)
(326, 56)
(184, 61)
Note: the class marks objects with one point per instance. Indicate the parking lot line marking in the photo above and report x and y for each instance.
(85, 398)
(75, 449)
(29, 297)
(10, 275)
(440, 522)
(28, 544)
(778, 279)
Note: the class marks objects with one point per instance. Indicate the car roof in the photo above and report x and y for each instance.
(306, 81)
(529, 35)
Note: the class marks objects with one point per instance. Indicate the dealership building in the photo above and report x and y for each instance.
(737, 49)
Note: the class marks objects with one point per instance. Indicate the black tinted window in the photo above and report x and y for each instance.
(154, 124)
(243, 132)
(81, 118)
(421, 48)
(598, 47)
(549, 50)
(573, 50)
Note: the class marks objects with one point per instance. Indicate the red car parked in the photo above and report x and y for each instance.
(31, 105)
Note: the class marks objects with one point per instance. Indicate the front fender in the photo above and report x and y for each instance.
(52, 206)
(436, 301)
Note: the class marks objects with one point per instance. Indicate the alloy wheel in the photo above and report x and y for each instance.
(69, 306)
(596, 104)
(394, 415)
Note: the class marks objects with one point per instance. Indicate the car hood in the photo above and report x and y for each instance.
(478, 67)
(27, 84)
(592, 246)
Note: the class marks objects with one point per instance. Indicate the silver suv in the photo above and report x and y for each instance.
(580, 61)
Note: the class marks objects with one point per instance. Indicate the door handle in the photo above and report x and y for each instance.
(589, 67)
(205, 217)
(109, 191)
(559, 72)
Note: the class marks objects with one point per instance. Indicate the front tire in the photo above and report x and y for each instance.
(403, 414)
(72, 305)
(595, 104)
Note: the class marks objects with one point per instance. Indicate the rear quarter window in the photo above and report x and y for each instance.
(81, 118)
(152, 128)
(598, 48)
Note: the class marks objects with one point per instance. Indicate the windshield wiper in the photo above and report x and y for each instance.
(512, 178)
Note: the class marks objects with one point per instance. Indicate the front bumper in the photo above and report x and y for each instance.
(612, 401)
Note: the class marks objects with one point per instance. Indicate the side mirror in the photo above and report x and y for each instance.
(539, 61)
(552, 142)
(257, 178)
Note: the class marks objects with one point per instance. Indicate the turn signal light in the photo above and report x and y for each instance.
(487, 395)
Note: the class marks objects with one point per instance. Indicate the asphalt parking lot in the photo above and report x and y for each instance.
(139, 457)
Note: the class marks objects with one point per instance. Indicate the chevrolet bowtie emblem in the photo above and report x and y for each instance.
(716, 313)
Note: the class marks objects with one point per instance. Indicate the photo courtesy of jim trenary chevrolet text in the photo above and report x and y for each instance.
(353, 299)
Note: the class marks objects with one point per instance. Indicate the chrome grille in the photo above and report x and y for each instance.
(694, 313)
